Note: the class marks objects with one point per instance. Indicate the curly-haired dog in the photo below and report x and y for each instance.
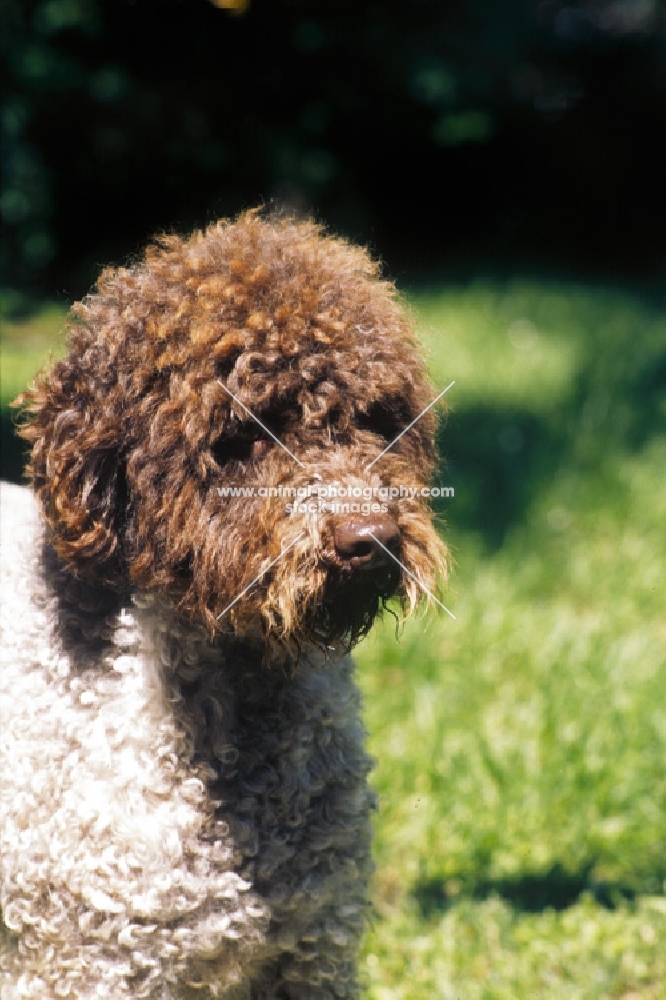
(184, 801)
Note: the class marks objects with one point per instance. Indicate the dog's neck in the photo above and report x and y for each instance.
(93, 620)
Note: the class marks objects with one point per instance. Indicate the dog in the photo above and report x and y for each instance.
(184, 785)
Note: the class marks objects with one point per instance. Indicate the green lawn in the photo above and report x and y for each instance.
(27, 345)
(521, 835)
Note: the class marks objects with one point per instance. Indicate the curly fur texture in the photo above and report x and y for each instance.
(185, 809)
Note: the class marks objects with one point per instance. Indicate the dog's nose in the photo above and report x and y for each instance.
(362, 542)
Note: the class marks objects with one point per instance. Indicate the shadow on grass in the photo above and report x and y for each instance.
(496, 460)
(556, 889)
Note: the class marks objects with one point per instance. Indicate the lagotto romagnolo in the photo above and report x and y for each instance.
(185, 808)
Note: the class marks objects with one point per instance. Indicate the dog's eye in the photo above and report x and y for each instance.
(235, 449)
(241, 447)
(248, 441)
(379, 419)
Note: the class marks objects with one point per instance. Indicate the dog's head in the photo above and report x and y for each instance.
(260, 354)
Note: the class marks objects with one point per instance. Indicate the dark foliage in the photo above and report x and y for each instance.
(448, 129)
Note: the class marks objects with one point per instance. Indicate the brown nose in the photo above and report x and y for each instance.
(355, 544)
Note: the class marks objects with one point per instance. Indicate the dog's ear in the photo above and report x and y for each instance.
(76, 468)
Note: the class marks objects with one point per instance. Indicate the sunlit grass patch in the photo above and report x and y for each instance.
(27, 345)
(488, 950)
(521, 748)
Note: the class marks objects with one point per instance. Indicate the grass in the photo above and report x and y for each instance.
(521, 748)
(27, 345)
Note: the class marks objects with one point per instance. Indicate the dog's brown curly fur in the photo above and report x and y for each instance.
(132, 432)
(184, 783)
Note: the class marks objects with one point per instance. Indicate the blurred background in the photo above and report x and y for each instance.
(508, 163)
(444, 132)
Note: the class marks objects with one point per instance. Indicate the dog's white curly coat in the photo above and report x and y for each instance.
(176, 821)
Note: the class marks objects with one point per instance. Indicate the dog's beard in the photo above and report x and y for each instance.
(349, 605)
(306, 597)
(334, 612)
